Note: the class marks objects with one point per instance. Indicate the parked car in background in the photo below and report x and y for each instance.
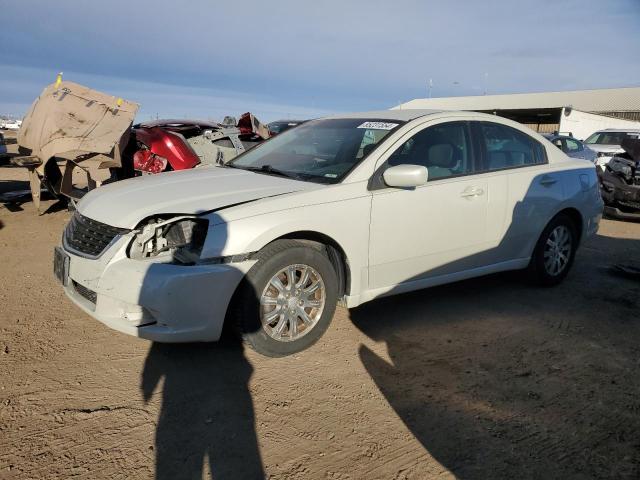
(164, 145)
(348, 208)
(571, 146)
(606, 143)
(280, 126)
(10, 124)
(620, 182)
(3, 148)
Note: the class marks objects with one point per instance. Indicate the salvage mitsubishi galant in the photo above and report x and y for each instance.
(343, 209)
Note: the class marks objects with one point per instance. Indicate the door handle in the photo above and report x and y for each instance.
(547, 180)
(472, 192)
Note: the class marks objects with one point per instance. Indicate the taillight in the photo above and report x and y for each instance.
(146, 161)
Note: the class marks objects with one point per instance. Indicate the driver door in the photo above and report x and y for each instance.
(435, 229)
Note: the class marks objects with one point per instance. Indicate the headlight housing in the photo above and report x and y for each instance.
(179, 240)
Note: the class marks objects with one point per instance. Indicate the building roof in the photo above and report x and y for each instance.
(603, 100)
(401, 115)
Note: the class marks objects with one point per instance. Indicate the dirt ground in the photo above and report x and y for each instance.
(484, 379)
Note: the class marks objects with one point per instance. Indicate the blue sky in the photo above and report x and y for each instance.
(279, 59)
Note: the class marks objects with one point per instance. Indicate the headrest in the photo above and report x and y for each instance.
(441, 155)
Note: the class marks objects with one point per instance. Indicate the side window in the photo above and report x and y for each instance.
(445, 149)
(572, 145)
(506, 147)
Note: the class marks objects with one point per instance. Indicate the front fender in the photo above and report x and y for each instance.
(347, 224)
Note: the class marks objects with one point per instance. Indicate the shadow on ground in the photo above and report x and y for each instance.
(207, 412)
(553, 395)
(16, 193)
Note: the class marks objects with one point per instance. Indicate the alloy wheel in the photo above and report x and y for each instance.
(557, 250)
(292, 302)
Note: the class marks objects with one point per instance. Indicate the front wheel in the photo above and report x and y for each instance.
(288, 298)
(555, 251)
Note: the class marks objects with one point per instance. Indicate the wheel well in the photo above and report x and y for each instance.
(52, 177)
(334, 251)
(575, 217)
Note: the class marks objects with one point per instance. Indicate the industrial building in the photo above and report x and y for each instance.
(579, 112)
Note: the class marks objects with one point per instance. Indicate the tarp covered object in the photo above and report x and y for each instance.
(71, 121)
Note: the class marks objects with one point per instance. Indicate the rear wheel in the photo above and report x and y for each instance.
(286, 301)
(52, 178)
(554, 253)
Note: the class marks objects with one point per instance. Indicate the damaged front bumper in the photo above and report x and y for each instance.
(620, 183)
(156, 301)
(621, 201)
(614, 212)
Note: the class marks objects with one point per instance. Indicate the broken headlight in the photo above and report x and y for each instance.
(179, 239)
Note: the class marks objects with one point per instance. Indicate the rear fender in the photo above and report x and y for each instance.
(169, 145)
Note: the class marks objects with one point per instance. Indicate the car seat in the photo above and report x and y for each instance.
(441, 160)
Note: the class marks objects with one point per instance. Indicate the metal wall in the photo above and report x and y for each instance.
(634, 116)
(544, 127)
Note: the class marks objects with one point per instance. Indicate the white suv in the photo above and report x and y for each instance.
(606, 143)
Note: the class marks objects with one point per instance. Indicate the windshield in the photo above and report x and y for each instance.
(322, 151)
(609, 138)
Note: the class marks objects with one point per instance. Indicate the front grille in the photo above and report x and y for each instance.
(89, 237)
(85, 292)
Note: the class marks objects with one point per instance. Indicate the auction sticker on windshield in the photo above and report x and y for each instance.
(378, 125)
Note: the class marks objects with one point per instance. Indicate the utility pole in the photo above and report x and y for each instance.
(430, 86)
(486, 82)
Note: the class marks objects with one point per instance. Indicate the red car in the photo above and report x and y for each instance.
(182, 144)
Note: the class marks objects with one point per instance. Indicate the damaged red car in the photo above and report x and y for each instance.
(182, 144)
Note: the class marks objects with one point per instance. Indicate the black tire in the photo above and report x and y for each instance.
(52, 178)
(246, 307)
(537, 271)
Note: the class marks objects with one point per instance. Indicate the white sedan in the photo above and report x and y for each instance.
(344, 209)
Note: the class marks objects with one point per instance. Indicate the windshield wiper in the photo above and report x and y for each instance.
(268, 169)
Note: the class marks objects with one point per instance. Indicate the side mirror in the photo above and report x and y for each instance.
(406, 176)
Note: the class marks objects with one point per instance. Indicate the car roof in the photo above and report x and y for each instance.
(621, 130)
(558, 135)
(287, 121)
(403, 115)
(178, 122)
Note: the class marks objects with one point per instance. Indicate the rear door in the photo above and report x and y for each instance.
(515, 165)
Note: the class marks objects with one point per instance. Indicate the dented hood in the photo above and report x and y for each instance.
(124, 204)
(69, 120)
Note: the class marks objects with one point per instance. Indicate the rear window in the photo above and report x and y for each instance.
(505, 147)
